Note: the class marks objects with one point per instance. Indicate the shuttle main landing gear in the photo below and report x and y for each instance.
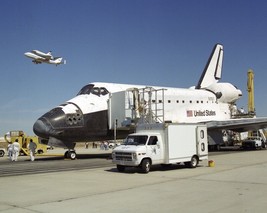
(71, 154)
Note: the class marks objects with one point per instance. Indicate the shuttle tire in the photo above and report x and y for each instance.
(2, 153)
(72, 155)
(146, 165)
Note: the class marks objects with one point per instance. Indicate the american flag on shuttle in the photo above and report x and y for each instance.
(189, 113)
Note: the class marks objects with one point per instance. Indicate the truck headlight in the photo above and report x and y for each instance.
(134, 156)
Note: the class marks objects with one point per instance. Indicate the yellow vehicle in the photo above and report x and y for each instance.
(24, 140)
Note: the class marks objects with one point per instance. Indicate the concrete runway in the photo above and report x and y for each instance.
(54, 161)
(237, 183)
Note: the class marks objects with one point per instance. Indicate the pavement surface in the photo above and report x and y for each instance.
(237, 183)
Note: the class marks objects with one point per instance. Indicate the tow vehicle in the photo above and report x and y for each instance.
(24, 140)
(253, 143)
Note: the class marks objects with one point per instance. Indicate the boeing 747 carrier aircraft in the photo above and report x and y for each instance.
(86, 116)
(41, 57)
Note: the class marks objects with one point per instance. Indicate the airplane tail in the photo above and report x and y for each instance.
(212, 72)
(59, 60)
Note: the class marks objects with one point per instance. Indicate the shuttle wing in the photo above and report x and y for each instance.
(239, 125)
(46, 56)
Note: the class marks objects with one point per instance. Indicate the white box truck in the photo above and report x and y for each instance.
(162, 143)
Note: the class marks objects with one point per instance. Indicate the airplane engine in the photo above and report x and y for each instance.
(225, 92)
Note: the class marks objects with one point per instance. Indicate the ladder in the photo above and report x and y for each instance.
(149, 104)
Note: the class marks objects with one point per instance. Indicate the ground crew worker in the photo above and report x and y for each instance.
(32, 147)
(16, 149)
(10, 150)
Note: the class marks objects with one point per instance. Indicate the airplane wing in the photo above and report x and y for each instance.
(47, 58)
(43, 59)
(39, 60)
(239, 125)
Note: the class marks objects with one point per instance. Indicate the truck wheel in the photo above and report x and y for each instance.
(40, 152)
(121, 168)
(146, 165)
(2, 153)
(193, 163)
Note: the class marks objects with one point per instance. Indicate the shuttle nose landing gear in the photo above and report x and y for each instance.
(70, 154)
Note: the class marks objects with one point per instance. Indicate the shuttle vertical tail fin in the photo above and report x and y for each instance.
(212, 72)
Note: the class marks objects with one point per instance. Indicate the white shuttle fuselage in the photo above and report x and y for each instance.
(181, 105)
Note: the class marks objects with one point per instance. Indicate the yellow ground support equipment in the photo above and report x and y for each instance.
(24, 140)
(250, 89)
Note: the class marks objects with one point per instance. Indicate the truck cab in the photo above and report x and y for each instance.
(137, 148)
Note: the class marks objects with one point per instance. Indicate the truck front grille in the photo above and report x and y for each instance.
(123, 156)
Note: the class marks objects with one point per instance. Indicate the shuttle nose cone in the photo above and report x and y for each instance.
(41, 129)
(240, 93)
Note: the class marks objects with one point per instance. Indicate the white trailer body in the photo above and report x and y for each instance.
(163, 144)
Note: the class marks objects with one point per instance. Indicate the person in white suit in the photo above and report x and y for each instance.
(10, 150)
(16, 149)
(32, 147)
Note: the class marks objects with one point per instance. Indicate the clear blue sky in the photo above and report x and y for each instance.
(151, 42)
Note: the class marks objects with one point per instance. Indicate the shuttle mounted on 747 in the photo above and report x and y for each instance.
(86, 116)
(41, 57)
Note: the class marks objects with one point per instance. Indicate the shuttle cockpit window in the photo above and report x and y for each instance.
(91, 89)
(103, 91)
(86, 90)
(99, 91)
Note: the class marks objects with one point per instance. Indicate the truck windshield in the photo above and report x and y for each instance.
(136, 140)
